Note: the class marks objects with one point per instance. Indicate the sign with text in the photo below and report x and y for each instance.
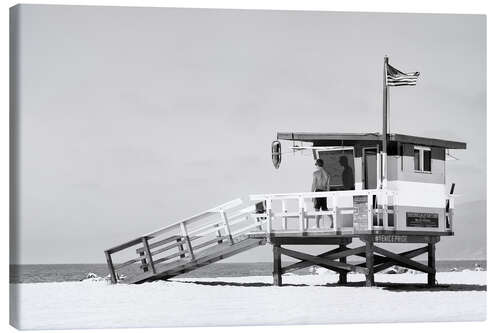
(403, 239)
(422, 220)
(360, 215)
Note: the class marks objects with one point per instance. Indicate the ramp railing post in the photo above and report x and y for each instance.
(385, 216)
(180, 247)
(148, 254)
(370, 211)
(226, 226)
(219, 235)
(284, 219)
(334, 213)
(110, 267)
(269, 219)
(188, 241)
(144, 262)
(301, 213)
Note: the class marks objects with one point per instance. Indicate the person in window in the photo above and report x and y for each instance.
(321, 183)
(347, 174)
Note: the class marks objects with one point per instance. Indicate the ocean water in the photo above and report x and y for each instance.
(78, 272)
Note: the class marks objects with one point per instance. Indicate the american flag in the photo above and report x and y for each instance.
(395, 77)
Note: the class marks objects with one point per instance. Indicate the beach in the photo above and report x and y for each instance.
(251, 300)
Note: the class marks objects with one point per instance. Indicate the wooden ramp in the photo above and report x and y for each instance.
(210, 236)
(181, 266)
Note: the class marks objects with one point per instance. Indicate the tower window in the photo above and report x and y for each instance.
(422, 159)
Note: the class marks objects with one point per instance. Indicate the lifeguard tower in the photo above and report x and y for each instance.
(411, 204)
(398, 194)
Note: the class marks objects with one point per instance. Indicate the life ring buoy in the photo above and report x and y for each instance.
(276, 153)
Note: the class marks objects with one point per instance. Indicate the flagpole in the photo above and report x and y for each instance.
(384, 127)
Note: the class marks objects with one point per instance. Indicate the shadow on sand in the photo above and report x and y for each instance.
(401, 287)
(241, 284)
(396, 287)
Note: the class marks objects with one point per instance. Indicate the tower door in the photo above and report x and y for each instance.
(370, 171)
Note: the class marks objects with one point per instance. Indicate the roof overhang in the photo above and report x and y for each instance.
(340, 138)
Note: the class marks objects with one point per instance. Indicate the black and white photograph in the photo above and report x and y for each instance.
(175, 167)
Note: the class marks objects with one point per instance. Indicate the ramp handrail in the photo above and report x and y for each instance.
(183, 239)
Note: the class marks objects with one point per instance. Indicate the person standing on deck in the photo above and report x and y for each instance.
(321, 183)
(347, 174)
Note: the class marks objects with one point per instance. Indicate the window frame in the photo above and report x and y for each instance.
(421, 150)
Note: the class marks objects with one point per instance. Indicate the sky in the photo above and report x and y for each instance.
(132, 118)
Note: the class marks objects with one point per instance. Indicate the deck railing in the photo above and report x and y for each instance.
(185, 239)
(299, 207)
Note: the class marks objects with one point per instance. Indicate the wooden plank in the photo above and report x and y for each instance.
(347, 252)
(179, 240)
(148, 254)
(129, 262)
(431, 263)
(233, 218)
(171, 256)
(124, 245)
(277, 280)
(248, 227)
(197, 217)
(225, 206)
(385, 263)
(209, 228)
(339, 253)
(305, 263)
(204, 244)
(166, 248)
(159, 243)
(209, 232)
(411, 264)
(332, 255)
(110, 266)
(403, 261)
(175, 225)
(330, 233)
(239, 220)
(321, 261)
(376, 259)
(311, 240)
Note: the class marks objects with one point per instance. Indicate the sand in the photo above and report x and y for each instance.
(305, 299)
